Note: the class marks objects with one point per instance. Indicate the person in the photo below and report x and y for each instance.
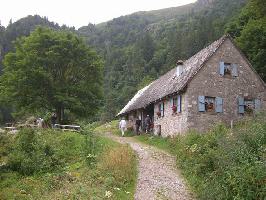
(123, 126)
(40, 122)
(147, 123)
(138, 123)
(53, 120)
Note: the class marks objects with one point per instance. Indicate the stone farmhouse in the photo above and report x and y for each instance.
(218, 84)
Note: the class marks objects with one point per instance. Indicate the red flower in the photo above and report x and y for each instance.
(174, 108)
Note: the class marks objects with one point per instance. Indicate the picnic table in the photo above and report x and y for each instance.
(10, 128)
(68, 127)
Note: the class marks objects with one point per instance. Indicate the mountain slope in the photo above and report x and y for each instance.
(140, 47)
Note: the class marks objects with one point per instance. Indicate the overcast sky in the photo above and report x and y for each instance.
(79, 12)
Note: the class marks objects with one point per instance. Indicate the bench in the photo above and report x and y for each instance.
(68, 127)
(10, 128)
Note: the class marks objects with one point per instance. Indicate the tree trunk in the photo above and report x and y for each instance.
(60, 114)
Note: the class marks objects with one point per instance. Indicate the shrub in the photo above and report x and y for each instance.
(5, 141)
(223, 164)
(30, 155)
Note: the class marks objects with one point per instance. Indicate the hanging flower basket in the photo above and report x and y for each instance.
(174, 108)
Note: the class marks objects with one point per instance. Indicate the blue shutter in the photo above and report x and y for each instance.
(257, 105)
(241, 105)
(172, 102)
(218, 105)
(179, 103)
(162, 109)
(234, 70)
(201, 103)
(221, 68)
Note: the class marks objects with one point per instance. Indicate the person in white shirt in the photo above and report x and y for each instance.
(123, 126)
(40, 122)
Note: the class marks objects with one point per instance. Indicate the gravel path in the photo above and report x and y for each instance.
(158, 178)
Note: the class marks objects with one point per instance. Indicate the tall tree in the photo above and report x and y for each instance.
(249, 31)
(52, 70)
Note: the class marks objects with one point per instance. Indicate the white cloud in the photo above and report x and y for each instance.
(79, 12)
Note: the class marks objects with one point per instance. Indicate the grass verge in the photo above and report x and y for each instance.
(222, 164)
(52, 164)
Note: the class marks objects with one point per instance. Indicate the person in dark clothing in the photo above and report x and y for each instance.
(138, 123)
(147, 123)
(53, 120)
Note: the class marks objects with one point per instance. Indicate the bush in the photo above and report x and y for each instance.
(223, 164)
(34, 170)
(30, 155)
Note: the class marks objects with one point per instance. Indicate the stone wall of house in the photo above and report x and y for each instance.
(171, 123)
(132, 117)
(208, 82)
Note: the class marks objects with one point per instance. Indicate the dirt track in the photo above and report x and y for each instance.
(158, 177)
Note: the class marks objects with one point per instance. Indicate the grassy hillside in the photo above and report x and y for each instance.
(222, 164)
(65, 165)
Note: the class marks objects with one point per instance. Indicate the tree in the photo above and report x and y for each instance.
(52, 71)
(249, 31)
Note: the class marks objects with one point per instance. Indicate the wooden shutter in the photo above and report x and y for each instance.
(234, 70)
(218, 105)
(179, 103)
(201, 103)
(241, 105)
(221, 68)
(257, 105)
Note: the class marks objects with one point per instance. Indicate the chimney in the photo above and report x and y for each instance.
(179, 67)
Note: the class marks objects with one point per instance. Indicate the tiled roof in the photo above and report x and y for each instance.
(168, 83)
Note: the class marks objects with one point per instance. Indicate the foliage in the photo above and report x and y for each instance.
(72, 176)
(52, 70)
(223, 163)
(138, 48)
(249, 30)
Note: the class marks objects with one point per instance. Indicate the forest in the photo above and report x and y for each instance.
(138, 48)
(87, 75)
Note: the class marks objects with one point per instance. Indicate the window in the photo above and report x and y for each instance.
(228, 69)
(160, 113)
(176, 104)
(248, 105)
(210, 104)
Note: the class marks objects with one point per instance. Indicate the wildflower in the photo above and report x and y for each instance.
(108, 194)
(91, 156)
(117, 188)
